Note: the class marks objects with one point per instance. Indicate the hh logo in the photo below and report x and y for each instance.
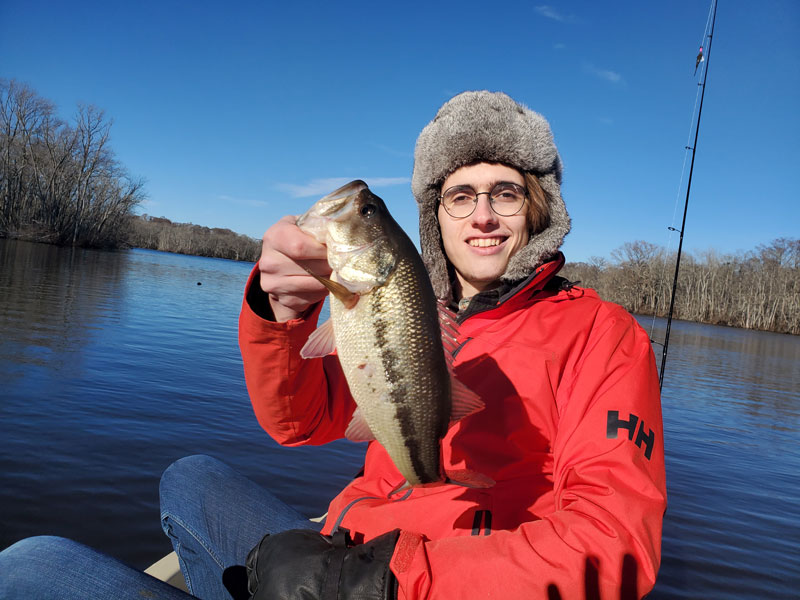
(614, 424)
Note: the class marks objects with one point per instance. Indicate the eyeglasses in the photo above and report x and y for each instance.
(506, 199)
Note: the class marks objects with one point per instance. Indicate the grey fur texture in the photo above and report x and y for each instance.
(489, 127)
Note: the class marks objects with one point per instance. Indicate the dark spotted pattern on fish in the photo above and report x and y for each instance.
(389, 358)
(427, 471)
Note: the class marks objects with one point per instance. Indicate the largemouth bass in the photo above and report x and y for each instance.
(385, 326)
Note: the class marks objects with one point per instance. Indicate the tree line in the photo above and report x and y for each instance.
(757, 289)
(60, 182)
(158, 233)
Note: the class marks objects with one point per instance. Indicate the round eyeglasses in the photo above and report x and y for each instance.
(506, 199)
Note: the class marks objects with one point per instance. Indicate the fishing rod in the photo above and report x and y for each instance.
(707, 59)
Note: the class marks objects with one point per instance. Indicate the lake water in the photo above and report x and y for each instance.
(115, 364)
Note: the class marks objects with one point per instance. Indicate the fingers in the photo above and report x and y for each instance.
(288, 239)
(287, 254)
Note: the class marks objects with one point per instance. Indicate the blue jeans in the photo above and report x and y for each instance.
(212, 515)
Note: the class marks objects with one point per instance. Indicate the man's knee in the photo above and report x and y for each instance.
(37, 548)
(187, 477)
(24, 563)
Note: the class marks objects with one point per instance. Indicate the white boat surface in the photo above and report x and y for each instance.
(168, 569)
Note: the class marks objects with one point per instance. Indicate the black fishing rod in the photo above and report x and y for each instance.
(686, 203)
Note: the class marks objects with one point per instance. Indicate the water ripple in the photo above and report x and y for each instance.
(113, 365)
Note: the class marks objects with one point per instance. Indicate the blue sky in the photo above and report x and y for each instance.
(238, 113)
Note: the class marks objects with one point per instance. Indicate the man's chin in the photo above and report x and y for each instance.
(483, 281)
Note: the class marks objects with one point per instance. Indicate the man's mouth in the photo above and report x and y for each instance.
(486, 242)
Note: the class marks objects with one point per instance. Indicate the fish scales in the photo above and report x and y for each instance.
(391, 352)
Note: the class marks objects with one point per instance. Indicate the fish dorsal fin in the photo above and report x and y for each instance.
(449, 328)
(358, 430)
(463, 400)
(320, 343)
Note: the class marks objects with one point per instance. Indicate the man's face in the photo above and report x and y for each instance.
(479, 246)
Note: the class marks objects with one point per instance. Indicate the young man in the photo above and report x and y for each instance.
(571, 431)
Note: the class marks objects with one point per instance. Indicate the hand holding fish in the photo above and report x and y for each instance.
(385, 326)
(287, 254)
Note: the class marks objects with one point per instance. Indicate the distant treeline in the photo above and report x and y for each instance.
(60, 182)
(157, 233)
(759, 289)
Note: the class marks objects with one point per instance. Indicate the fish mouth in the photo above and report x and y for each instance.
(334, 205)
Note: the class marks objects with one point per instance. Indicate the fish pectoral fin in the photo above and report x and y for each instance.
(320, 343)
(469, 479)
(345, 296)
(464, 400)
(358, 430)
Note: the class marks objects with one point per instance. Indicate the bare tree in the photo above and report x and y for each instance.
(60, 183)
(755, 290)
(158, 233)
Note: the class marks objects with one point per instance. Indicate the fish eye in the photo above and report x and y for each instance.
(368, 210)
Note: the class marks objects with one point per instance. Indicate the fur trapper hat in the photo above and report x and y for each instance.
(490, 127)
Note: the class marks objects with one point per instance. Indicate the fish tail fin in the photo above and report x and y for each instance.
(463, 477)
(469, 479)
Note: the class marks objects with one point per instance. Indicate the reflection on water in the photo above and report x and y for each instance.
(112, 366)
(115, 364)
(759, 365)
(731, 403)
(51, 298)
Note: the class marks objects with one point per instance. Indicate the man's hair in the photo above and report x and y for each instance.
(538, 207)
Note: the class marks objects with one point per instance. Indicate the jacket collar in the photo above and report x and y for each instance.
(500, 296)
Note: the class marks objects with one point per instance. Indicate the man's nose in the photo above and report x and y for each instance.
(483, 213)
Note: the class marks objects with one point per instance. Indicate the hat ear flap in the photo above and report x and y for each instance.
(433, 254)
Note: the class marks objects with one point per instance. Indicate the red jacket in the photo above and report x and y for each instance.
(571, 433)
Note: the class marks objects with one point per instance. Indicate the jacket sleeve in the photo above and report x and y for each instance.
(603, 540)
(297, 401)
